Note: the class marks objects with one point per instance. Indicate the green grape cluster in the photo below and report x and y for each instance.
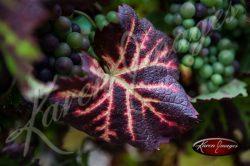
(198, 28)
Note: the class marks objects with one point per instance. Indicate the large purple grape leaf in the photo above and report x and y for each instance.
(132, 95)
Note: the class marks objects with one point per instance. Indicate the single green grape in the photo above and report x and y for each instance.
(209, 3)
(231, 22)
(187, 10)
(239, 9)
(207, 41)
(213, 50)
(195, 48)
(217, 79)
(212, 87)
(218, 68)
(188, 23)
(112, 17)
(182, 46)
(194, 34)
(74, 40)
(188, 60)
(226, 57)
(224, 43)
(229, 71)
(174, 8)
(206, 71)
(101, 21)
(198, 62)
(212, 59)
(169, 19)
(177, 19)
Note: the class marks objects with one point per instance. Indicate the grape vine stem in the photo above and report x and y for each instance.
(86, 16)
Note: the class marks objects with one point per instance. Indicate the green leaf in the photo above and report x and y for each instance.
(22, 47)
(230, 90)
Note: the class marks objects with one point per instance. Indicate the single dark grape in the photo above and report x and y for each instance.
(76, 59)
(85, 43)
(236, 65)
(45, 75)
(77, 71)
(62, 50)
(235, 2)
(200, 10)
(75, 28)
(64, 65)
(62, 24)
(52, 64)
(204, 52)
(49, 43)
(44, 63)
(68, 10)
(56, 11)
(205, 26)
(178, 31)
(215, 37)
(177, 19)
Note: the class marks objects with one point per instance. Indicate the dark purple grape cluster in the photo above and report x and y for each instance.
(204, 32)
(63, 40)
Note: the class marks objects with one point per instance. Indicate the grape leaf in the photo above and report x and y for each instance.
(230, 90)
(132, 95)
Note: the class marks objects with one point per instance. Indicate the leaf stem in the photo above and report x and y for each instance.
(86, 16)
